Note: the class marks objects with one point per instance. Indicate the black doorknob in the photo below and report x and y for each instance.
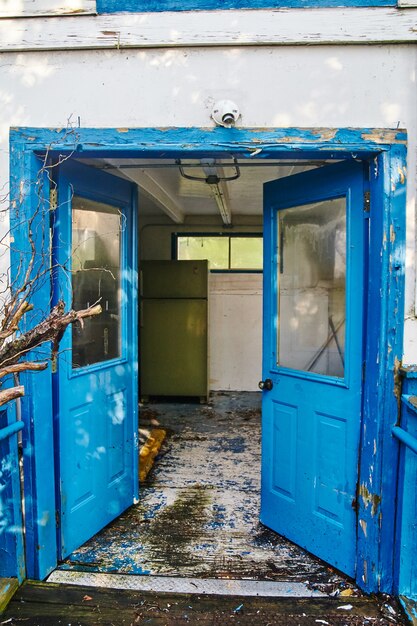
(266, 385)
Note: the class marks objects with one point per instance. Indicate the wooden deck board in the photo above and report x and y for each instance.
(8, 587)
(46, 604)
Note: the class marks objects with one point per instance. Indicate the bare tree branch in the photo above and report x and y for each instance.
(22, 367)
(11, 394)
(49, 329)
(34, 271)
(12, 318)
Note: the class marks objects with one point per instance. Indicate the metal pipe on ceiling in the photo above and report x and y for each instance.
(200, 165)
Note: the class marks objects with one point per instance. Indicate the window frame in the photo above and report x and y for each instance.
(174, 247)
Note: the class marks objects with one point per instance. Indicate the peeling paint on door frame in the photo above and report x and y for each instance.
(385, 151)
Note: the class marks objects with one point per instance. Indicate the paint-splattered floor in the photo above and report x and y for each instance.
(199, 509)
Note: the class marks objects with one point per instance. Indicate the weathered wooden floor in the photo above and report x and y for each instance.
(47, 604)
(196, 528)
(199, 509)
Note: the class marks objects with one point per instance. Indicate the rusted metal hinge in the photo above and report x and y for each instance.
(54, 364)
(57, 519)
(53, 199)
(367, 201)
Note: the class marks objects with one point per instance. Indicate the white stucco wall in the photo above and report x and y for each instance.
(333, 86)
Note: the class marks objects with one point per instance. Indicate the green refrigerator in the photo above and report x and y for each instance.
(174, 329)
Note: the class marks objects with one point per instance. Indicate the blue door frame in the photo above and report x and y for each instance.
(33, 151)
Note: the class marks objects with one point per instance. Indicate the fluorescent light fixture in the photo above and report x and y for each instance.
(222, 204)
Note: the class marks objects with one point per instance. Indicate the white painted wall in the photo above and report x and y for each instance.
(235, 324)
(335, 25)
(359, 86)
(29, 8)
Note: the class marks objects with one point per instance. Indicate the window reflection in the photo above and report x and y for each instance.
(312, 286)
(95, 278)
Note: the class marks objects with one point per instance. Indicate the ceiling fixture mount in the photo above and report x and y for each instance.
(215, 178)
(210, 168)
(225, 113)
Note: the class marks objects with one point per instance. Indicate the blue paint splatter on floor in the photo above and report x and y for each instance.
(199, 510)
(231, 444)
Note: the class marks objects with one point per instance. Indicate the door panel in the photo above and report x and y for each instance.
(95, 383)
(314, 237)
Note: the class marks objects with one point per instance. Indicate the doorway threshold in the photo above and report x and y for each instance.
(172, 584)
(52, 604)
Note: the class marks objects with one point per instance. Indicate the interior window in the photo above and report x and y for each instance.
(223, 252)
(246, 253)
(214, 249)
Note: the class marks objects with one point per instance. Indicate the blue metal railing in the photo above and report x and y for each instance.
(10, 430)
(406, 540)
(12, 555)
(405, 438)
(400, 433)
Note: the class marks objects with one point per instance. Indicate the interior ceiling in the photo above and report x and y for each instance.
(163, 190)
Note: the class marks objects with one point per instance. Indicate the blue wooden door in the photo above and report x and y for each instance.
(96, 378)
(314, 268)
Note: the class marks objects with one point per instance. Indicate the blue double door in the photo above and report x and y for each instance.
(314, 273)
(94, 253)
(315, 234)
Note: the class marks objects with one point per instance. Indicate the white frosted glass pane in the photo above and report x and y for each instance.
(312, 285)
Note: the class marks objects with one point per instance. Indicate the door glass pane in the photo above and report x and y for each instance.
(246, 253)
(96, 230)
(312, 287)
